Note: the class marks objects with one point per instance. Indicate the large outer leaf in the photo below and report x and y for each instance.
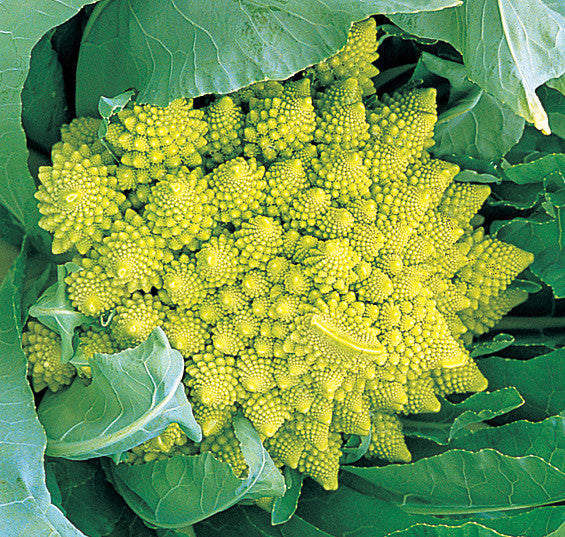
(21, 26)
(217, 46)
(509, 47)
(25, 504)
(539, 381)
(134, 396)
(183, 490)
(461, 482)
(473, 122)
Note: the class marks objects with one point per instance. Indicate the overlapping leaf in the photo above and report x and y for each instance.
(539, 381)
(82, 483)
(134, 396)
(54, 310)
(182, 490)
(472, 122)
(126, 46)
(509, 47)
(25, 504)
(456, 420)
(21, 26)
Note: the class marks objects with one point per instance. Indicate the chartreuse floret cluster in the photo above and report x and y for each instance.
(320, 273)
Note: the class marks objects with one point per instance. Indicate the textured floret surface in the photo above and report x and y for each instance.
(319, 271)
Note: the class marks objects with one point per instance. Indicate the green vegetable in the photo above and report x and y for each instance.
(318, 271)
(282, 261)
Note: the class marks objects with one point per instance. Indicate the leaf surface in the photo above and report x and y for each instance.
(54, 310)
(464, 482)
(509, 47)
(539, 381)
(217, 46)
(25, 503)
(134, 396)
(81, 484)
(183, 490)
(456, 420)
(472, 122)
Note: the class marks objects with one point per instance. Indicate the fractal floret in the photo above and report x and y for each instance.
(320, 273)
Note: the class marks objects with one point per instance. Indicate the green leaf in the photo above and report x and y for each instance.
(455, 420)
(472, 176)
(21, 27)
(509, 47)
(254, 522)
(545, 241)
(355, 448)
(544, 439)
(183, 490)
(472, 122)
(469, 529)
(44, 103)
(537, 522)
(554, 103)
(25, 504)
(108, 106)
(462, 482)
(542, 232)
(285, 506)
(497, 343)
(217, 46)
(54, 310)
(539, 381)
(134, 395)
(81, 485)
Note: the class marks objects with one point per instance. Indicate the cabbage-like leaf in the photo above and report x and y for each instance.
(81, 485)
(285, 506)
(218, 46)
(472, 122)
(25, 504)
(134, 396)
(54, 310)
(509, 47)
(539, 381)
(456, 420)
(182, 490)
(469, 529)
(464, 482)
(544, 439)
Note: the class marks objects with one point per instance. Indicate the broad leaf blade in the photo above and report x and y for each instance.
(462, 482)
(539, 381)
(25, 504)
(285, 506)
(473, 122)
(455, 420)
(134, 396)
(217, 46)
(509, 47)
(183, 490)
(469, 529)
(82, 485)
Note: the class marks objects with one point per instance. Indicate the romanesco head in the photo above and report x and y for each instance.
(319, 272)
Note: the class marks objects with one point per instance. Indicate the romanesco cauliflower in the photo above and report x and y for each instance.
(318, 270)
